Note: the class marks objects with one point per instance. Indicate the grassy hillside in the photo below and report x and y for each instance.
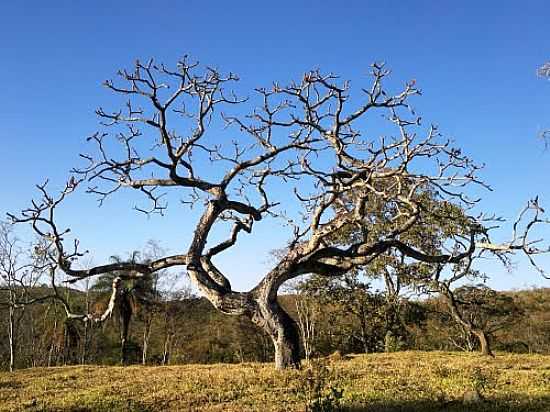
(406, 381)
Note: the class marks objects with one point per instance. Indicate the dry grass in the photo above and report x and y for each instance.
(406, 381)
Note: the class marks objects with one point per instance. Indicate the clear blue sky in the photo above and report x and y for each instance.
(475, 62)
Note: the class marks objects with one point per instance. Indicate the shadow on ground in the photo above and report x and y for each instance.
(111, 406)
(540, 404)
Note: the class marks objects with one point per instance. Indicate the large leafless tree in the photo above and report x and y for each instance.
(312, 138)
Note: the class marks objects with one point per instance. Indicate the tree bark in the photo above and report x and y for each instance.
(263, 309)
(146, 336)
(483, 342)
(282, 330)
(86, 338)
(166, 350)
(123, 342)
(125, 317)
(11, 334)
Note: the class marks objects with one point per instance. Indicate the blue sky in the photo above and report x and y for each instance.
(475, 63)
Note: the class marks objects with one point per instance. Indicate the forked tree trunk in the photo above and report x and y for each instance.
(264, 311)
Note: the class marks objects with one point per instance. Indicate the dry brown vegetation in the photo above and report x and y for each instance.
(405, 381)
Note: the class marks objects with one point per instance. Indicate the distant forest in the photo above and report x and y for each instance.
(178, 327)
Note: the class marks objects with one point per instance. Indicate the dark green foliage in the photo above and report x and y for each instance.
(197, 333)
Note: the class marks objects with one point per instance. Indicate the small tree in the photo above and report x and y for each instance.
(307, 314)
(481, 312)
(18, 275)
(12, 286)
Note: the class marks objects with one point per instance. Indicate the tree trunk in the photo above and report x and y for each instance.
(33, 338)
(123, 342)
(85, 343)
(11, 334)
(287, 346)
(364, 332)
(146, 336)
(125, 317)
(263, 309)
(282, 330)
(54, 337)
(483, 342)
(166, 350)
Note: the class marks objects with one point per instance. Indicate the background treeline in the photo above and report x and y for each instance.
(157, 327)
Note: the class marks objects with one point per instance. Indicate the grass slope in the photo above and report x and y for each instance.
(405, 381)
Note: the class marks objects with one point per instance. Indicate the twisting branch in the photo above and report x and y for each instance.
(353, 196)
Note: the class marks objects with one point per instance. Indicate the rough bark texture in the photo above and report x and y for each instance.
(458, 316)
(484, 343)
(283, 331)
(125, 316)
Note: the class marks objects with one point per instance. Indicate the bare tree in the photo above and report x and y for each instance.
(309, 137)
(307, 317)
(18, 276)
(11, 273)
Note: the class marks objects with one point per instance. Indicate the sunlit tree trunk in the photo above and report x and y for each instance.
(484, 344)
(11, 335)
(283, 331)
(146, 337)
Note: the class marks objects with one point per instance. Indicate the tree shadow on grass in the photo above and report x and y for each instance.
(524, 404)
(100, 406)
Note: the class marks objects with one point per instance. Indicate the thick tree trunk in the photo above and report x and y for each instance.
(287, 345)
(262, 307)
(282, 330)
(483, 342)
(125, 317)
(468, 326)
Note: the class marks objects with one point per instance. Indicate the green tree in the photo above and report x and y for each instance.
(481, 312)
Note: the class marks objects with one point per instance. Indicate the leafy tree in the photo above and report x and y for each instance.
(350, 295)
(481, 311)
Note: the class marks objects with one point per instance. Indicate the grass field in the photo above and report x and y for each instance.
(405, 381)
